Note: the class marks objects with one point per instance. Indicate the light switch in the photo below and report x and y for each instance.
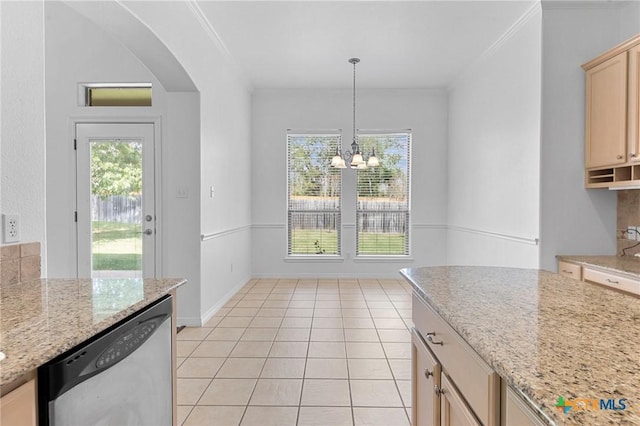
(183, 192)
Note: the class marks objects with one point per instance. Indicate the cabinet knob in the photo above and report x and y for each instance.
(633, 155)
(438, 390)
(619, 157)
(427, 373)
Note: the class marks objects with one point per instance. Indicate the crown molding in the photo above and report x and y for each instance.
(532, 11)
(581, 4)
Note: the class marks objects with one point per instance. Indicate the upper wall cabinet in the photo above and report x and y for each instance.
(612, 147)
(606, 130)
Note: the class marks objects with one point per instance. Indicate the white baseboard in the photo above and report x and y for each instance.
(374, 275)
(189, 321)
(215, 308)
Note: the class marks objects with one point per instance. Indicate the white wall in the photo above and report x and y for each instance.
(77, 51)
(493, 158)
(225, 129)
(629, 19)
(573, 220)
(22, 130)
(275, 111)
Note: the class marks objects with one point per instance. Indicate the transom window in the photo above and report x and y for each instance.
(383, 208)
(118, 95)
(313, 194)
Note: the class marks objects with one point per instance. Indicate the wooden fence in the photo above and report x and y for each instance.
(373, 215)
(117, 208)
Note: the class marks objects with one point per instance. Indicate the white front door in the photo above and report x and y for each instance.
(116, 212)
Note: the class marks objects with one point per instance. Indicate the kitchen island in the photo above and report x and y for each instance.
(43, 318)
(549, 340)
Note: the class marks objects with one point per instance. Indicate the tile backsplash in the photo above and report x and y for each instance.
(628, 215)
(19, 263)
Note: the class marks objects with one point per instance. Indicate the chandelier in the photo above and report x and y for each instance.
(354, 157)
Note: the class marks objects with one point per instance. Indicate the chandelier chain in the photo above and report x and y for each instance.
(354, 101)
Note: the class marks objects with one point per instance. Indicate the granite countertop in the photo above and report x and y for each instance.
(545, 334)
(627, 265)
(43, 318)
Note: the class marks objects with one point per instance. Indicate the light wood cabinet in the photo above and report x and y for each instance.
(603, 277)
(18, 407)
(612, 280)
(426, 374)
(570, 270)
(515, 411)
(633, 116)
(466, 388)
(455, 411)
(606, 112)
(612, 145)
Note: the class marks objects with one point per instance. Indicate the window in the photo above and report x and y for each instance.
(119, 95)
(313, 194)
(382, 208)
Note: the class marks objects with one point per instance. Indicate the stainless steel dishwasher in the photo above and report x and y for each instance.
(120, 377)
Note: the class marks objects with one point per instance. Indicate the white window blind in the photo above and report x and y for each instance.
(313, 194)
(383, 196)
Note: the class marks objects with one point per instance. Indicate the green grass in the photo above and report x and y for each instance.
(374, 244)
(116, 246)
(302, 242)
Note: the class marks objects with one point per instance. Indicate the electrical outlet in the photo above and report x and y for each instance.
(11, 228)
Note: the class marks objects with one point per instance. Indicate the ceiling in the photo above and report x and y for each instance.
(306, 44)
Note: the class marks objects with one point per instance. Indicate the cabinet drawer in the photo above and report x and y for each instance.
(479, 384)
(570, 270)
(611, 280)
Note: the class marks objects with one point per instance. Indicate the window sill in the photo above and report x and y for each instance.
(382, 259)
(326, 258)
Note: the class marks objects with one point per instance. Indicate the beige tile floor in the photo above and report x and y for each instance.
(301, 352)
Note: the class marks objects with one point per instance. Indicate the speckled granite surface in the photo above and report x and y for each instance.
(43, 318)
(546, 335)
(627, 265)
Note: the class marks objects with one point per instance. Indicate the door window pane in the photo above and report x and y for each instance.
(116, 208)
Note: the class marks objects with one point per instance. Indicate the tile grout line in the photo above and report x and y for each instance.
(291, 292)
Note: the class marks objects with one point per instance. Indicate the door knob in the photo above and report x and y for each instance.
(147, 232)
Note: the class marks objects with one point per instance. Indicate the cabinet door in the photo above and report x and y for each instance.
(426, 376)
(18, 407)
(516, 412)
(606, 113)
(634, 104)
(454, 410)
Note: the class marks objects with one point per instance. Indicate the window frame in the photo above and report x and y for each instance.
(336, 133)
(408, 216)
